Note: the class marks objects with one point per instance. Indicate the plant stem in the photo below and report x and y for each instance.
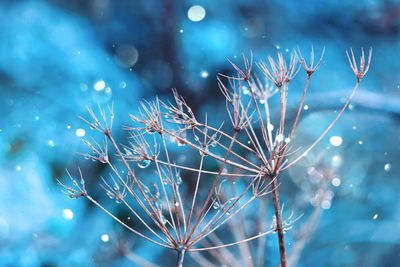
(181, 255)
(278, 217)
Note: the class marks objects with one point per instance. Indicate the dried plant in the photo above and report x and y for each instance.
(252, 150)
(315, 188)
(275, 160)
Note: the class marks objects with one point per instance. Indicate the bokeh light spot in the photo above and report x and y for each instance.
(105, 238)
(80, 132)
(196, 13)
(99, 85)
(68, 214)
(336, 140)
(336, 182)
(127, 55)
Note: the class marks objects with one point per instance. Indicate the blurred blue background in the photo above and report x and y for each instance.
(59, 56)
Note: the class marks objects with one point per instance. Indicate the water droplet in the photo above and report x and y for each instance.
(71, 191)
(110, 195)
(270, 127)
(305, 107)
(387, 167)
(118, 201)
(18, 168)
(205, 153)
(104, 159)
(128, 152)
(273, 224)
(375, 216)
(262, 101)
(326, 204)
(176, 204)
(122, 84)
(216, 205)
(143, 163)
(279, 138)
(179, 179)
(245, 90)
(163, 220)
(336, 182)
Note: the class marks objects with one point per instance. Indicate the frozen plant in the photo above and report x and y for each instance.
(252, 151)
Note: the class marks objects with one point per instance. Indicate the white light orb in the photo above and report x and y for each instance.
(68, 214)
(336, 140)
(196, 13)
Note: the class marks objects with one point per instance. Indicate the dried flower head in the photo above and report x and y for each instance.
(279, 72)
(364, 66)
(310, 68)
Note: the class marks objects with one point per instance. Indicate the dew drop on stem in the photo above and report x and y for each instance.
(245, 90)
(143, 163)
(387, 167)
(205, 153)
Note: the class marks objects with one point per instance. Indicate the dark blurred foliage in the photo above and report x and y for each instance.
(58, 56)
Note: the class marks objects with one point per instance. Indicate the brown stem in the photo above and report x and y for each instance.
(213, 187)
(278, 217)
